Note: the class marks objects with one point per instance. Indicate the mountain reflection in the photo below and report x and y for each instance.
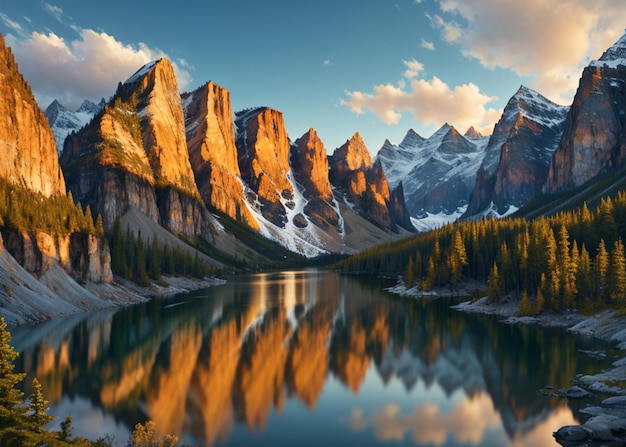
(201, 364)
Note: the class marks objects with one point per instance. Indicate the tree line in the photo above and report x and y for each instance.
(24, 210)
(573, 259)
(141, 261)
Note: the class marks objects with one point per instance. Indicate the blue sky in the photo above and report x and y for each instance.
(377, 67)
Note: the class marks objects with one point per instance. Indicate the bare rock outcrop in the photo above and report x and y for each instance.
(363, 184)
(594, 138)
(29, 156)
(263, 148)
(134, 154)
(212, 151)
(309, 162)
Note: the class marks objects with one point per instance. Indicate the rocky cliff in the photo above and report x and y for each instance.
(212, 151)
(594, 138)
(134, 154)
(309, 162)
(34, 264)
(263, 150)
(518, 154)
(363, 183)
(29, 157)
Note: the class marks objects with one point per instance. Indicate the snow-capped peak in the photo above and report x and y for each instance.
(614, 56)
(63, 121)
(141, 72)
(411, 139)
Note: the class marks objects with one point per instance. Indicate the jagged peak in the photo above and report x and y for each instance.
(615, 55)
(162, 63)
(55, 105)
(91, 107)
(533, 106)
(411, 139)
(472, 133)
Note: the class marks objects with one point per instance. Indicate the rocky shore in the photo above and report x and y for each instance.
(604, 424)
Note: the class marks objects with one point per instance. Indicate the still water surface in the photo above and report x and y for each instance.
(306, 358)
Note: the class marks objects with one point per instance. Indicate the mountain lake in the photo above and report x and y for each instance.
(307, 358)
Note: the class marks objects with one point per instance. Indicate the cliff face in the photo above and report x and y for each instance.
(594, 139)
(518, 153)
(263, 149)
(28, 159)
(29, 156)
(364, 184)
(212, 152)
(310, 167)
(134, 154)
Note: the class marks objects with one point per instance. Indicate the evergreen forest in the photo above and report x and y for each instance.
(573, 259)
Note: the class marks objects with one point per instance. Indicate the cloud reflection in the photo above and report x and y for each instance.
(469, 422)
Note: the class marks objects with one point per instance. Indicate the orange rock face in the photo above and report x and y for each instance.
(263, 148)
(28, 157)
(212, 151)
(313, 166)
(163, 126)
(364, 184)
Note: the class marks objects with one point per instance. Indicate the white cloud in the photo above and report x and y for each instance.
(428, 45)
(432, 102)
(12, 24)
(327, 62)
(56, 12)
(549, 41)
(88, 67)
(413, 68)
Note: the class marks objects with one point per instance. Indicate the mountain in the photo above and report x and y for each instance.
(41, 253)
(309, 163)
(134, 154)
(29, 158)
(364, 185)
(518, 154)
(594, 138)
(263, 149)
(63, 122)
(437, 173)
(212, 152)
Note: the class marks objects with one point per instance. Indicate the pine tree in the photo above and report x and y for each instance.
(584, 275)
(616, 280)
(408, 275)
(494, 284)
(601, 267)
(525, 307)
(457, 258)
(38, 406)
(12, 412)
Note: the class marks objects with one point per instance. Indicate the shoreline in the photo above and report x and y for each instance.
(92, 297)
(605, 423)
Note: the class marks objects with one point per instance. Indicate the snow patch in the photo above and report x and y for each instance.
(141, 73)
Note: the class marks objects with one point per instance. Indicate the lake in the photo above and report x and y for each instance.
(306, 358)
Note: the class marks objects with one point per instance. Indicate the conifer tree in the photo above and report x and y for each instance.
(525, 307)
(12, 412)
(409, 274)
(457, 258)
(616, 280)
(494, 284)
(601, 267)
(584, 275)
(38, 407)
